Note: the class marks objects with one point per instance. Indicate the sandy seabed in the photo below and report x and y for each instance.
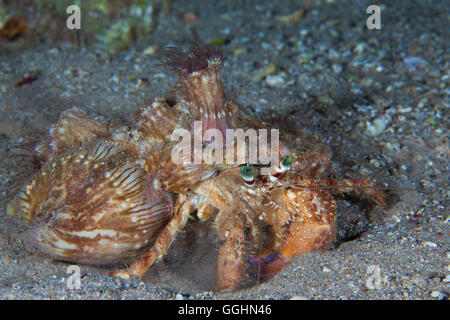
(379, 98)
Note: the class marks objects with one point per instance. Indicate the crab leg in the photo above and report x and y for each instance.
(230, 263)
(162, 243)
(358, 186)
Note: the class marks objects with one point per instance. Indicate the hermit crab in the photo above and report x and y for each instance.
(108, 194)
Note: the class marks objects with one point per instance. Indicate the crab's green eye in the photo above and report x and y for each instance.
(286, 162)
(247, 173)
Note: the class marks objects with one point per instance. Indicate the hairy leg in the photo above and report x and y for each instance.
(162, 243)
(356, 186)
(230, 263)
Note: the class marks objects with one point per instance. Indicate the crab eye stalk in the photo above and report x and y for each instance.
(286, 162)
(248, 174)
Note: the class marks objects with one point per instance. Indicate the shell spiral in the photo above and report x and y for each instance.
(93, 205)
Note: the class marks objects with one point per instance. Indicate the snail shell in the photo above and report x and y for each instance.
(93, 205)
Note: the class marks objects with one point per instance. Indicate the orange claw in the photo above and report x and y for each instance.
(302, 238)
(309, 224)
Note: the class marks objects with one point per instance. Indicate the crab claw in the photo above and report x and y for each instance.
(302, 238)
(307, 219)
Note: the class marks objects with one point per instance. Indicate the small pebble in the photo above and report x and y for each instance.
(367, 82)
(296, 16)
(430, 244)
(239, 51)
(377, 126)
(179, 296)
(53, 52)
(402, 109)
(264, 72)
(419, 281)
(446, 279)
(375, 163)
(337, 68)
(436, 294)
(115, 78)
(348, 273)
(299, 298)
(413, 62)
(275, 81)
(360, 48)
(150, 50)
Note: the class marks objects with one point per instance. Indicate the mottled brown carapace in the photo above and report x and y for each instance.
(107, 195)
